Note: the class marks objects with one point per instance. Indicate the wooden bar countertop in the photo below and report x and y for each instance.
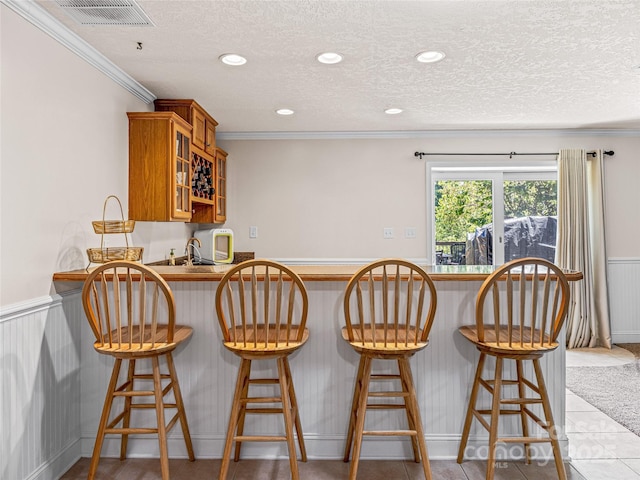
(312, 273)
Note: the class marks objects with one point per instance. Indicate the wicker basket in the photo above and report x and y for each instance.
(102, 227)
(108, 254)
(113, 226)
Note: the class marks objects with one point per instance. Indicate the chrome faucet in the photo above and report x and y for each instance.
(191, 243)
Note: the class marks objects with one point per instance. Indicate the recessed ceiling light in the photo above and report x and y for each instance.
(329, 58)
(393, 111)
(430, 56)
(233, 59)
(285, 111)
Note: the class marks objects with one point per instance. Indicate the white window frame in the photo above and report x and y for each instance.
(495, 170)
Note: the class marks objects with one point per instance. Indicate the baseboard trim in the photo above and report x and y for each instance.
(55, 467)
(319, 447)
(625, 337)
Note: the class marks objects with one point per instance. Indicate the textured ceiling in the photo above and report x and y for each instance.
(510, 64)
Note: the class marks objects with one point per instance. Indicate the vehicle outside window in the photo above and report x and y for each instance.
(490, 214)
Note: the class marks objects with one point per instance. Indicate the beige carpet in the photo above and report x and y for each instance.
(613, 390)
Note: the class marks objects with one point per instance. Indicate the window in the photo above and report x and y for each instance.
(487, 214)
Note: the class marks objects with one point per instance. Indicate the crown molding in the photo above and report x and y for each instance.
(39, 17)
(582, 132)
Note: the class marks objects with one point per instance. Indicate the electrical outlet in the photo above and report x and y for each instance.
(387, 232)
(253, 232)
(410, 232)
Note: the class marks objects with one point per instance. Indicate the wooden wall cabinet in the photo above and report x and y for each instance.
(208, 162)
(204, 125)
(159, 167)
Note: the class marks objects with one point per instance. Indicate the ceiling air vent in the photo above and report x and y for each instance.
(105, 12)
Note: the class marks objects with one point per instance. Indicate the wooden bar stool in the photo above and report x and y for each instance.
(520, 310)
(262, 309)
(124, 302)
(389, 306)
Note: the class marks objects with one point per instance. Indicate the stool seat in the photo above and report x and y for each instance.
(401, 342)
(266, 342)
(152, 345)
(509, 344)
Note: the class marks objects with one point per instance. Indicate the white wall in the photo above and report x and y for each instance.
(333, 197)
(64, 148)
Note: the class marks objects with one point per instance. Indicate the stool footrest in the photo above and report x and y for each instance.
(134, 393)
(152, 405)
(520, 401)
(245, 401)
(523, 440)
(130, 430)
(149, 376)
(263, 410)
(386, 406)
(264, 381)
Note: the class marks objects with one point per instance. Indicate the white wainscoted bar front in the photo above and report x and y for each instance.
(323, 371)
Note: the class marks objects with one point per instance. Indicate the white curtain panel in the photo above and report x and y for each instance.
(581, 246)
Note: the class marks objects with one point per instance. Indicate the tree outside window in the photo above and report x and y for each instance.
(464, 211)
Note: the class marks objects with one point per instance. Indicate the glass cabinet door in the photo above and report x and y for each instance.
(182, 205)
(221, 186)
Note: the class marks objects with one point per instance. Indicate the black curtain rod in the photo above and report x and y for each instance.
(511, 154)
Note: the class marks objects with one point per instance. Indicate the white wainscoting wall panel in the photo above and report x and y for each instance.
(40, 396)
(624, 299)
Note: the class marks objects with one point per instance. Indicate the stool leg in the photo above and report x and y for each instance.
(553, 434)
(523, 415)
(242, 414)
(495, 418)
(294, 407)
(162, 430)
(414, 412)
(243, 377)
(288, 420)
(354, 409)
(126, 421)
(471, 408)
(106, 411)
(362, 410)
(182, 414)
(410, 419)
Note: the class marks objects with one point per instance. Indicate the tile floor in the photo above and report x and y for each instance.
(600, 449)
